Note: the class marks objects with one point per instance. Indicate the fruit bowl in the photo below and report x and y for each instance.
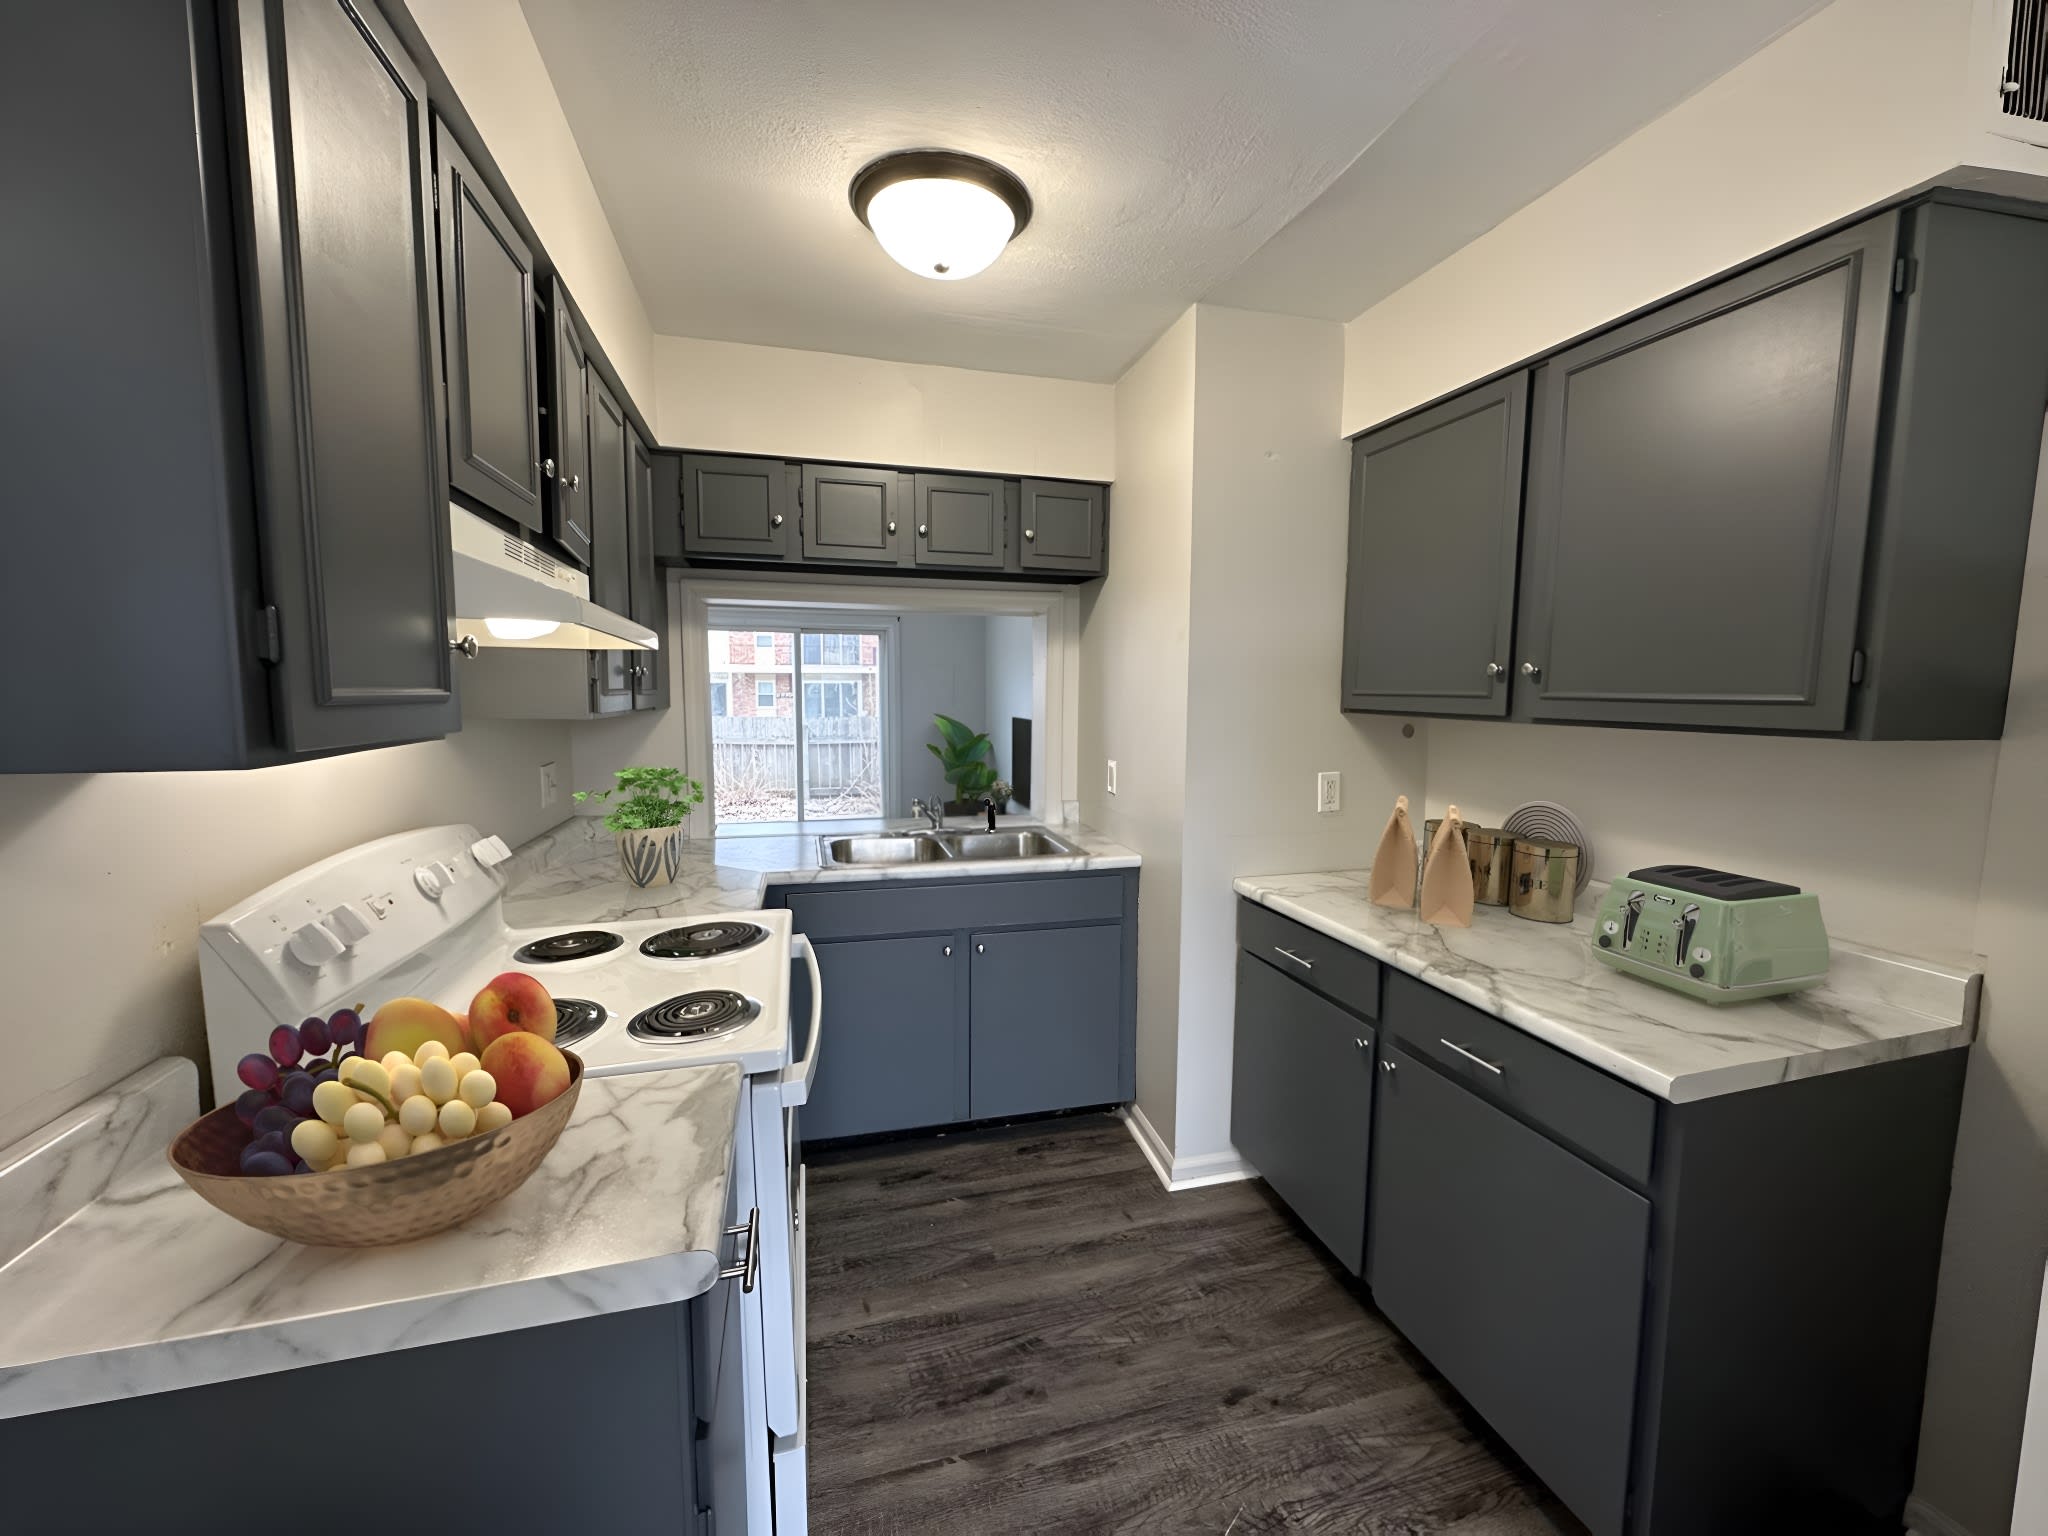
(371, 1207)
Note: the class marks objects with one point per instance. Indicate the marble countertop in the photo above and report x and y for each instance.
(572, 874)
(1542, 977)
(116, 1280)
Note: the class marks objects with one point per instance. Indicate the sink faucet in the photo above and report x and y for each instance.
(929, 810)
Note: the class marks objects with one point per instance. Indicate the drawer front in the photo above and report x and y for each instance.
(1598, 1116)
(953, 906)
(1301, 1103)
(1328, 965)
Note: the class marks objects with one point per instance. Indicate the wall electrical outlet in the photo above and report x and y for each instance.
(550, 786)
(1329, 793)
(1112, 776)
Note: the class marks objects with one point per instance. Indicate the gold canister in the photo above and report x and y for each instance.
(1544, 880)
(1491, 851)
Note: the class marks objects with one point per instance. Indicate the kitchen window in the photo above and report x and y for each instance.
(816, 746)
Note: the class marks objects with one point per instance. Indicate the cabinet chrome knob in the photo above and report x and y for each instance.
(981, 949)
(1494, 669)
(892, 525)
(1030, 533)
(949, 951)
(547, 467)
(924, 530)
(1358, 1042)
(775, 521)
(1386, 1066)
(1531, 671)
(466, 645)
(572, 482)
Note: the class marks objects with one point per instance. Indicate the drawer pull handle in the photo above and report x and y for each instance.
(1477, 1061)
(747, 1270)
(1306, 965)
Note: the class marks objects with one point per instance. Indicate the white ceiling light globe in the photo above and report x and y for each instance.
(941, 228)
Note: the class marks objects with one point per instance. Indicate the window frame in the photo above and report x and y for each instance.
(766, 705)
(802, 620)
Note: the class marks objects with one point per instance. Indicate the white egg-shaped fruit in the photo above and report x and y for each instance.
(372, 1076)
(427, 1142)
(365, 1154)
(438, 1080)
(493, 1117)
(477, 1088)
(396, 1142)
(429, 1049)
(464, 1064)
(391, 1061)
(315, 1141)
(363, 1122)
(405, 1082)
(418, 1114)
(457, 1119)
(332, 1100)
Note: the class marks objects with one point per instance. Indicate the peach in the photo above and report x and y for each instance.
(407, 1023)
(529, 1071)
(513, 1001)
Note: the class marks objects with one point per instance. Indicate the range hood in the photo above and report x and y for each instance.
(510, 593)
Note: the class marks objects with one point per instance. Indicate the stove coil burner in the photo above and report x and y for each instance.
(695, 1016)
(580, 945)
(701, 941)
(575, 1018)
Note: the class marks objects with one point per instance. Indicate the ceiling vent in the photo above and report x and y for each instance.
(2024, 88)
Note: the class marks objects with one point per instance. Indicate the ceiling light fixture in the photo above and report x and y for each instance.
(940, 213)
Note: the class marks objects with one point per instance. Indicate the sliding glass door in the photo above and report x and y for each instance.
(798, 719)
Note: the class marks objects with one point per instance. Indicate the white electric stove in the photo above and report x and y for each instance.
(421, 914)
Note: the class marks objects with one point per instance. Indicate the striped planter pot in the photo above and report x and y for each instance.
(651, 856)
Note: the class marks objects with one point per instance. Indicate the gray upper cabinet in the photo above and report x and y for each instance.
(569, 513)
(736, 508)
(1061, 527)
(611, 557)
(852, 514)
(487, 311)
(1437, 492)
(345, 395)
(959, 521)
(651, 480)
(1700, 495)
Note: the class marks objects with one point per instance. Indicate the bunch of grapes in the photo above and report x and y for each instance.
(280, 1085)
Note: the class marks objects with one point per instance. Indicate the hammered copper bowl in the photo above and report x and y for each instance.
(370, 1207)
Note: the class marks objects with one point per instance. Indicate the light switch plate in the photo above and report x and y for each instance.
(550, 786)
(1112, 776)
(1329, 793)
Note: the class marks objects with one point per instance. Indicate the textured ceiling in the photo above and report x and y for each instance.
(1164, 141)
(1306, 156)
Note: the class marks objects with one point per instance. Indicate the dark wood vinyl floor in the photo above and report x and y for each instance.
(1019, 1330)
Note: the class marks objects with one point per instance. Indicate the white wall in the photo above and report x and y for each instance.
(1927, 847)
(735, 398)
(1265, 643)
(1007, 687)
(943, 669)
(1133, 694)
(108, 877)
(496, 68)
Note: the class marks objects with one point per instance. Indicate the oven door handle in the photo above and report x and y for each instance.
(797, 1076)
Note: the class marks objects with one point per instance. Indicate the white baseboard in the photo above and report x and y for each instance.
(1923, 1519)
(1178, 1173)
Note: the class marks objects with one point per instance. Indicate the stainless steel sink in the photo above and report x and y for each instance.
(882, 848)
(1024, 843)
(922, 847)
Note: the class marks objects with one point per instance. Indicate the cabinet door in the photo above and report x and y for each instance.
(737, 508)
(611, 555)
(646, 476)
(1519, 1271)
(1061, 527)
(1429, 599)
(892, 1037)
(852, 514)
(343, 332)
(1301, 1103)
(569, 514)
(487, 315)
(1699, 499)
(1044, 1018)
(959, 520)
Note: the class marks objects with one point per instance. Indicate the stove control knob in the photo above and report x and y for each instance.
(448, 870)
(490, 852)
(428, 879)
(348, 923)
(314, 945)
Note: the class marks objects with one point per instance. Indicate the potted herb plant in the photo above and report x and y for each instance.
(648, 816)
(964, 764)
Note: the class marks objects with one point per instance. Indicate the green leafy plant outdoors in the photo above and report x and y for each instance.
(963, 761)
(647, 798)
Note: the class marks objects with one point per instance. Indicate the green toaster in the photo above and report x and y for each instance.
(1717, 936)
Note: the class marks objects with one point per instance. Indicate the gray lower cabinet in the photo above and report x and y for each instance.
(1043, 1007)
(949, 1000)
(738, 509)
(1519, 1271)
(1062, 527)
(1436, 508)
(892, 1054)
(959, 520)
(1301, 1103)
(852, 514)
